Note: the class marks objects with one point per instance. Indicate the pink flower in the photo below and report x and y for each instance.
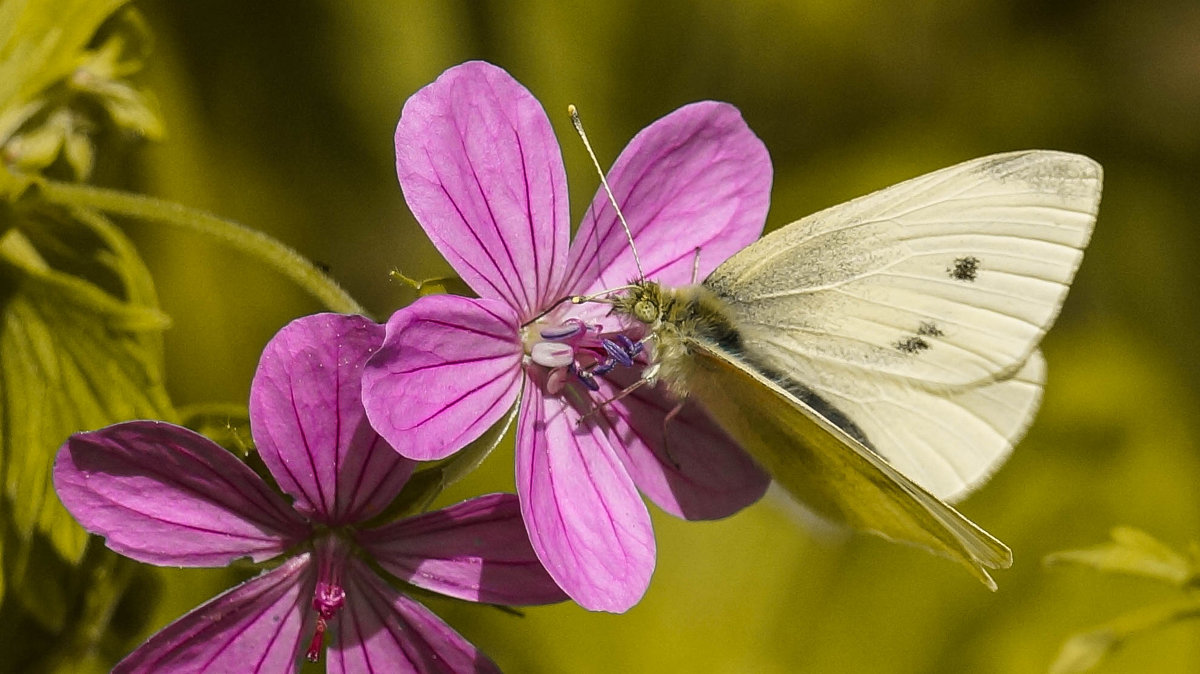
(164, 495)
(481, 170)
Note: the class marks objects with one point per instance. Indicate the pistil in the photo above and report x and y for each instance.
(329, 595)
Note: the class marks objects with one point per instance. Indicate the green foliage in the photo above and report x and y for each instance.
(1087, 650)
(80, 347)
(80, 329)
(61, 81)
(1131, 552)
(75, 355)
(1134, 552)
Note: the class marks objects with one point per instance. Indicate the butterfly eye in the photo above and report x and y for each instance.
(645, 311)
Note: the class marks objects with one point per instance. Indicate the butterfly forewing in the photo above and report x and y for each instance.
(945, 280)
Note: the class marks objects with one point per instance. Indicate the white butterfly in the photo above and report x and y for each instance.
(880, 357)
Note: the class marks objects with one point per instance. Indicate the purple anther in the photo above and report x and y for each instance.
(585, 377)
(603, 368)
(572, 327)
(617, 352)
(631, 347)
(588, 380)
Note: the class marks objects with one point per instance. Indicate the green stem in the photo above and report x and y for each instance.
(287, 261)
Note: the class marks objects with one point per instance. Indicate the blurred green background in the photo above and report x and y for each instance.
(280, 115)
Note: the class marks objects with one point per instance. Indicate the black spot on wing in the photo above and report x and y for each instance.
(964, 269)
(912, 345)
(930, 329)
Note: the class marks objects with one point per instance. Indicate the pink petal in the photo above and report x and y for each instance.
(482, 172)
(475, 550)
(380, 630)
(309, 425)
(585, 518)
(700, 473)
(165, 495)
(254, 627)
(449, 368)
(697, 178)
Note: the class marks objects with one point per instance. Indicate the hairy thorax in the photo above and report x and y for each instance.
(676, 320)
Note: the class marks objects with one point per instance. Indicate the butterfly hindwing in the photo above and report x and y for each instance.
(826, 469)
(949, 442)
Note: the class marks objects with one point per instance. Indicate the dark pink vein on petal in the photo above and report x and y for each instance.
(461, 398)
(275, 636)
(512, 294)
(485, 277)
(567, 536)
(319, 501)
(528, 305)
(257, 499)
(461, 361)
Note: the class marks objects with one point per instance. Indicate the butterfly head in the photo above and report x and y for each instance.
(643, 303)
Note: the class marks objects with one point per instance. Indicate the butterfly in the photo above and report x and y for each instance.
(879, 358)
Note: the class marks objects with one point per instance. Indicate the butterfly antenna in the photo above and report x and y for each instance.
(575, 121)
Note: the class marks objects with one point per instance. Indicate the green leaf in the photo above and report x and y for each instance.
(76, 353)
(101, 74)
(251, 242)
(1132, 552)
(40, 43)
(1083, 651)
(57, 89)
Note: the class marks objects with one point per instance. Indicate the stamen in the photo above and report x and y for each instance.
(585, 377)
(574, 349)
(618, 352)
(572, 327)
(631, 347)
(552, 354)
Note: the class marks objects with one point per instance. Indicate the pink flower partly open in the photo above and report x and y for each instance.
(481, 170)
(164, 495)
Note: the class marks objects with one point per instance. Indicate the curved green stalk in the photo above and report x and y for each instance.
(286, 260)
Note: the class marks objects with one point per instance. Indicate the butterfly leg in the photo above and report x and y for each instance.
(665, 443)
(605, 403)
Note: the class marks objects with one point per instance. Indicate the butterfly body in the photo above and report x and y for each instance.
(680, 319)
(879, 358)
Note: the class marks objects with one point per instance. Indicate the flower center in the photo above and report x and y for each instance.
(329, 595)
(574, 351)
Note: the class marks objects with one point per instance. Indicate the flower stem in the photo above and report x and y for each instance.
(283, 258)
